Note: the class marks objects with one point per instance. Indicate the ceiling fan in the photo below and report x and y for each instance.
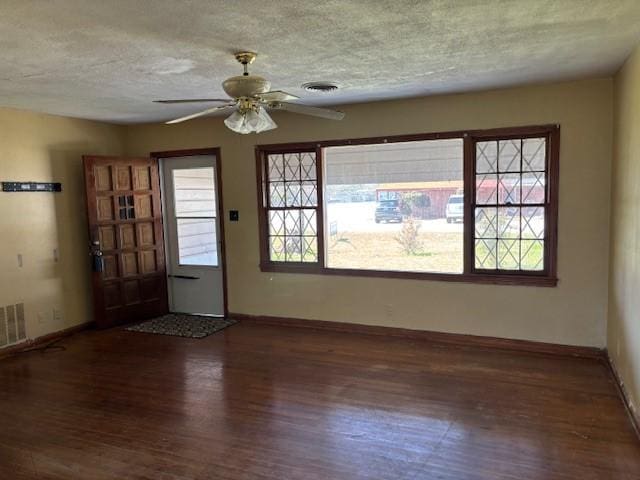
(250, 98)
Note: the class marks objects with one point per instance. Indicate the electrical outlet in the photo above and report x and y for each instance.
(57, 315)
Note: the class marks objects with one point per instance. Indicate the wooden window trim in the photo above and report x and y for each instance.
(545, 278)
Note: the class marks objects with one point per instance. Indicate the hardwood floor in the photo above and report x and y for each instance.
(267, 402)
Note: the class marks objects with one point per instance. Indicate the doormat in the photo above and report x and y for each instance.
(183, 325)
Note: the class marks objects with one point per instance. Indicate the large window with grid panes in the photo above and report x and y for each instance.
(476, 205)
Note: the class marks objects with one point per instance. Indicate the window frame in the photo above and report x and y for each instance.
(263, 202)
(547, 277)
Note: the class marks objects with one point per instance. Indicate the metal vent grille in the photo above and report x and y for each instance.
(322, 87)
(12, 324)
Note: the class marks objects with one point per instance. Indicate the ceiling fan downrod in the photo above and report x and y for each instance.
(246, 58)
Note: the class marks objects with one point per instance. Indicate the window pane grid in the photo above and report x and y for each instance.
(292, 205)
(510, 205)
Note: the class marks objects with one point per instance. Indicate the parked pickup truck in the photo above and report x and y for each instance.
(455, 208)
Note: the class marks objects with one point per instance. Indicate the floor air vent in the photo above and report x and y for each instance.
(12, 326)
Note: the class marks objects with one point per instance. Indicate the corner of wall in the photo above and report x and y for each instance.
(623, 330)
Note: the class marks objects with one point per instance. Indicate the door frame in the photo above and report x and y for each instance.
(196, 152)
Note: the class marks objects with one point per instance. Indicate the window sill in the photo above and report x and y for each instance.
(480, 278)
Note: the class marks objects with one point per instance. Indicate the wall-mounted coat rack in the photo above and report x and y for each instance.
(31, 187)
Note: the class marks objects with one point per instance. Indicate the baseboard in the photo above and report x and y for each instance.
(43, 340)
(427, 335)
(624, 395)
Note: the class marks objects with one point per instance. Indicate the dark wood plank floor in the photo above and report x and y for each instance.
(267, 402)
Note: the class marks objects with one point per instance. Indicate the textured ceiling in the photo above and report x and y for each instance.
(109, 59)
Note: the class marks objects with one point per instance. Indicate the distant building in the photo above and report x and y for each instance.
(430, 168)
(531, 189)
(437, 192)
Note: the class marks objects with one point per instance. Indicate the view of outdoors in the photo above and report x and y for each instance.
(395, 206)
(195, 207)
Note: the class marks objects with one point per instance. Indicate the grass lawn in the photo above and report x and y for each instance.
(440, 252)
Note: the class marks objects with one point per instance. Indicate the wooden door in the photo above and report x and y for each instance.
(126, 240)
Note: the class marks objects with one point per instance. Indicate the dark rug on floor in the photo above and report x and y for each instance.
(183, 325)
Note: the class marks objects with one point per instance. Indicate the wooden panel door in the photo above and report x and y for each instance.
(126, 240)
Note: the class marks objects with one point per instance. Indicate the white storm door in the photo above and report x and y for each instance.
(192, 227)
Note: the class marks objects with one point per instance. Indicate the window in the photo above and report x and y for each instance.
(510, 204)
(292, 207)
(386, 205)
(195, 210)
(126, 209)
(462, 206)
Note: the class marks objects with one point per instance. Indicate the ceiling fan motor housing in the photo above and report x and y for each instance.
(245, 86)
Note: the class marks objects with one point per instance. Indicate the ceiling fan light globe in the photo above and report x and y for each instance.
(266, 122)
(237, 123)
(259, 120)
(250, 121)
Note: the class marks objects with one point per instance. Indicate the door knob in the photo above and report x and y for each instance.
(97, 262)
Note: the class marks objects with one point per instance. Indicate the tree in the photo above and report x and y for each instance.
(414, 204)
(409, 236)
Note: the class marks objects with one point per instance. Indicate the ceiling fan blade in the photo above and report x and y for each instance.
(193, 100)
(203, 113)
(307, 110)
(277, 96)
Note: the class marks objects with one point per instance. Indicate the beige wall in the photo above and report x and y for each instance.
(42, 147)
(624, 303)
(573, 313)
(36, 147)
